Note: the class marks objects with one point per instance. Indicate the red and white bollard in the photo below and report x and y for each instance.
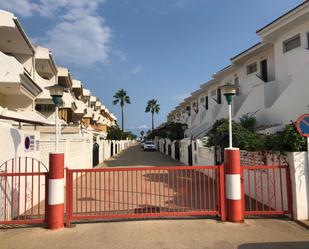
(55, 210)
(233, 192)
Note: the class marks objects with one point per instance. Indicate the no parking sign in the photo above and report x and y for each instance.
(302, 125)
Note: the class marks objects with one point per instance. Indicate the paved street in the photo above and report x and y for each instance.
(135, 156)
(159, 234)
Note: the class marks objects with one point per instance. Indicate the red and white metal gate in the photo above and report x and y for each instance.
(143, 192)
(266, 184)
(23, 191)
(108, 193)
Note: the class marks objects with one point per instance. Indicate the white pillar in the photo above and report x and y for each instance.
(230, 127)
(56, 129)
(298, 162)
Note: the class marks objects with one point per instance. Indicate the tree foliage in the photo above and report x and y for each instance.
(152, 107)
(286, 140)
(172, 131)
(115, 133)
(122, 98)
(243, 138)
(246, 138)
(248, 122)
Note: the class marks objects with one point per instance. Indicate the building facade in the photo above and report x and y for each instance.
(271, 75)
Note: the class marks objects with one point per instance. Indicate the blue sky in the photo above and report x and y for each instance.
(162, 49)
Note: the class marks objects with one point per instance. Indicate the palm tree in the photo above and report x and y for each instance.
(122, 98)
(153, 107)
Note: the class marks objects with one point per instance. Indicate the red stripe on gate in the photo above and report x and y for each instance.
(55, 214)
(234, 195)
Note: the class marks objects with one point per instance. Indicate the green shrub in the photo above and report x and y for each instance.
(173, 131)
(243, 138)
(287, 140)
(115, 133)
(248, 122)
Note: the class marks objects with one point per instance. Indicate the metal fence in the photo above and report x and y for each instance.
(22, 191)
(110, 193)
(266, 184)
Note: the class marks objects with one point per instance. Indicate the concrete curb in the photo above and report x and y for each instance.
(303, 223)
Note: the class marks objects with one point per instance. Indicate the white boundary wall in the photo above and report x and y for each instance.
(300, 184)
(77, 149)
(12, 143)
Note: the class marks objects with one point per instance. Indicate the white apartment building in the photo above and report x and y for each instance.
(18, 86)
(272, 78)
(26, 108)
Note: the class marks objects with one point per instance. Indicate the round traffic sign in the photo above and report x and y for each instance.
(302, 125)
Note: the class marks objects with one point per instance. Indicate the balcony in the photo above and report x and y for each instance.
(14, 79)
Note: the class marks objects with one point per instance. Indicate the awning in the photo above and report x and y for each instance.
(89, 112)
(80, 107)
(68, 100)
(77, 84)
(86, 93)
(64, 77)
(96, 116)
(93, 98)
(44, 98)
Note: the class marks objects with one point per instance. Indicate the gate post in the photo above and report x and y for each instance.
(233, 193)
(55, 210)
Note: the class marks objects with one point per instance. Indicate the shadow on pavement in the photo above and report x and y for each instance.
(276, 245)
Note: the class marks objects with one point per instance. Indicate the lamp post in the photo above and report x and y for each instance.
(229, 91)
(56, 92)
(55, 209)
(233, 183)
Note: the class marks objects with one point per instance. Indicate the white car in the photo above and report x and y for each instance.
(149, 145)
(142, 144)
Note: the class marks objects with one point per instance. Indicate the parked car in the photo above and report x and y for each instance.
(149, 146)
(142, 144)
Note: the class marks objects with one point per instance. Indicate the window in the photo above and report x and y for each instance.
(219, 100)
(236, 83)
(206, 103)
(252, 68)
(213, 93)
(194, 104)
(44, 108)
(202, 100)
(291, 43)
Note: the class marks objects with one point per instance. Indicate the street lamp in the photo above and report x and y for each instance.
(232, 169)
(56, 92)
(229, 91)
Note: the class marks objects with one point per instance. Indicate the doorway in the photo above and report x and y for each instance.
(264, 72)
